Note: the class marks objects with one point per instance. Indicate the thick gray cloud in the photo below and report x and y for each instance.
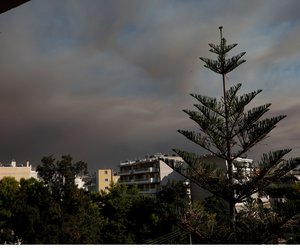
(106, 81)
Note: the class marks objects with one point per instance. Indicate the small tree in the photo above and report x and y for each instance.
(9, 189)
(228, 131)
(77, 219)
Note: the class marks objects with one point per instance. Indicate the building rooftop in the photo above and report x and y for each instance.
(14, 164)
(149, 158)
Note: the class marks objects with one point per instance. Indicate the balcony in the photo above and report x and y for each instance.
(140, 181)
(127, 172)
(139, 171)
(145, 170)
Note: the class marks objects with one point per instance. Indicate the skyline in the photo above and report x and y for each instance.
(106, 81)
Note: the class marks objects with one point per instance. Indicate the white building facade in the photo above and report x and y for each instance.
(150, 173)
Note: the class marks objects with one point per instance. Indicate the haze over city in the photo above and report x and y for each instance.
(106, 81)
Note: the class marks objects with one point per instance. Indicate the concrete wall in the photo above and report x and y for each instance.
(17, 172)
(103, 179)
(167, 174)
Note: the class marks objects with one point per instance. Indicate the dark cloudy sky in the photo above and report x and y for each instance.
(106, 81)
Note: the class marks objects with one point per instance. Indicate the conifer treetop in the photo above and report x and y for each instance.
(223, 65)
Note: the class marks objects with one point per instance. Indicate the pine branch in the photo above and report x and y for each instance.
(238, 104)
(264, 178)
(283, 168)
(232, 63)
(245, 120)
(263, 127)
(210, 103)
(251, 117)
(217, 49)
(221, 66)
(203, 173)
(206, 142)
(256, 132)
(216, 124)
(287, 222)
(231, 94)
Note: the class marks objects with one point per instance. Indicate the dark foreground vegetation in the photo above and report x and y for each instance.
(55, 211)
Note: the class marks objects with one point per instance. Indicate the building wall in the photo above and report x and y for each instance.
(115, 178)
(242, 165)
(149, 173)
(142, 173)
(104, 178)
(167, 174)
(18, 171)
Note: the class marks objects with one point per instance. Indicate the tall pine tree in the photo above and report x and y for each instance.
(227, 130)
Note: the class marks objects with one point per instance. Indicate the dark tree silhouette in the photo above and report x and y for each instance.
(227, 131)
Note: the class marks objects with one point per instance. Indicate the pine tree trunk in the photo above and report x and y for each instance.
(233, 220)
(232, 212)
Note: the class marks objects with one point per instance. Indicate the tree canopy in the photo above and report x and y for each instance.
(55, 211)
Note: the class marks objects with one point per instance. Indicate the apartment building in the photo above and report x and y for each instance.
(150, 173)
(243, 169)
(18, 171)
(104, 178)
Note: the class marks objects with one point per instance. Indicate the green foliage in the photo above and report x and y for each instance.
(174, 194)
(129, 216)
(285, 196)
(32, 213)
(34, 217)
(172, 202)
(74, 211)
(9, 188)
(59, 175)
(54, 211)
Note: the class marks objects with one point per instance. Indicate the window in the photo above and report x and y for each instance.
(105, 172)
(106, 179)
(106, 188)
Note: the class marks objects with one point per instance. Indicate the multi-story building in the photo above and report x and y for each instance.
(150, 173)
(104, 178)
(243, 170)
(18, 171)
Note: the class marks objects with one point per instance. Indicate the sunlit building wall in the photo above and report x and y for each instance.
(104, 178)
(18, 171)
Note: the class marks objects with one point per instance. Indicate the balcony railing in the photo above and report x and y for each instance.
(140, 181)
(139, 171)
(145, 170)
(127, 172)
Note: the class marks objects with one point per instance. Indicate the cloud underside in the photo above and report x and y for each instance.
(105, 81)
